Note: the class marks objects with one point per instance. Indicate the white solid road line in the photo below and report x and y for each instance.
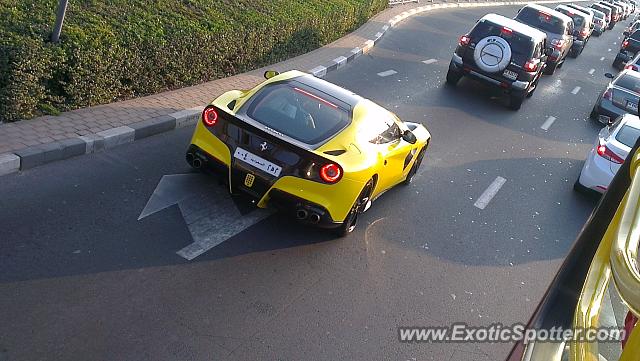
(575, 90)
(547, 123)
(490, 192)
(387, 73)
(592, 71)
(429, 61)
(602, 59)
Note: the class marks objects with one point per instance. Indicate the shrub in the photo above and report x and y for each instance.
(118, 49)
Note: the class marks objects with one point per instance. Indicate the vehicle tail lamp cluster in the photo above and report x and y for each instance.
(584, 32)
(531, 65)
(209, 116)
(557, 43)
(608, 154)
(625, 44)
(607, 94)
(330, 173)
(633, 67)
(464, 40)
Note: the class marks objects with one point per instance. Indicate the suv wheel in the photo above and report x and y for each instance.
(617, 64)
(551, 68)
(515, 101)
(453, 77)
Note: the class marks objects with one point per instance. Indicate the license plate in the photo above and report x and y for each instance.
(510, 74)
(603, 119)
(257, 162)
(632, 105)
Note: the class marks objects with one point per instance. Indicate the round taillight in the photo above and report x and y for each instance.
(210, 117)
(330, 173)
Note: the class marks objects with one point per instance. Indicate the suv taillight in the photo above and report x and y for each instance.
(607, 94)
(531, 65)
(625, 44)
(464, 40)
(557, 43)
(632, 67)
(584, 32)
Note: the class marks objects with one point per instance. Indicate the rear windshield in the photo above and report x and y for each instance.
(299, 112)
(635, 35)
(578, 20)
(628, 82)
(521, 46)
(541, 20)
(602, 8)
(628, 135)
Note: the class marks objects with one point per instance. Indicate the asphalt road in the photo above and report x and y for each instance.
(81, 278)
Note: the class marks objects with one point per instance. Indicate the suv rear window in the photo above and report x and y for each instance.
(521, 46)
(628, 82)
(298, 112)
(628, 135)
(541, 20)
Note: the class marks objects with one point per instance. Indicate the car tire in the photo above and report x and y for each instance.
(515, 101)
(550, 69)
(453, 77)
(593, 115)
(351, 220)
(579, 188)
(414, 168)
(617, 64)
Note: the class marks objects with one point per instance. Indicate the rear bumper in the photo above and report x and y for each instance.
(330, 202)
(607, 108)
(596, 173)
(508, 86)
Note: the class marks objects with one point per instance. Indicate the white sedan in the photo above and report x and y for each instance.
(608, 153)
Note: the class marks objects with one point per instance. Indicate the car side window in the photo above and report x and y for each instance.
(381, 130)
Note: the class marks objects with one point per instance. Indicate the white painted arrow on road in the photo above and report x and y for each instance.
(207, 208)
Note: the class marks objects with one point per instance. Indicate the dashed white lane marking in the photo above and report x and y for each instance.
(387, 73)
(489, 193)
(608, 49)
(602, 59)
(614, 43)
(592, 71)
(575, 90)
(547, 123)
(429, 61)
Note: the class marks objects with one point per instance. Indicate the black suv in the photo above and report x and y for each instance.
(629, 48)
(504, 53)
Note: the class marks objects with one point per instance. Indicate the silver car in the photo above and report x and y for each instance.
(620, 97)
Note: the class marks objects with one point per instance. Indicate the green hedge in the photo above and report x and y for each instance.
(119, 49)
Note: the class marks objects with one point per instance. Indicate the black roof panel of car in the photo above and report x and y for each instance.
(549, 11)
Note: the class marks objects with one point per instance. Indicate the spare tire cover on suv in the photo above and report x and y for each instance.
(492, 54)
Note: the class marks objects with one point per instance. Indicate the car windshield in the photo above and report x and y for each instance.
(628, 82)
(521, 46)
(628, 135)
(541, 20)
(304, 114)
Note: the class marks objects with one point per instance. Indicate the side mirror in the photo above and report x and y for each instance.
(409, 137)
(548, 51)
(270, 74)
(608, 75)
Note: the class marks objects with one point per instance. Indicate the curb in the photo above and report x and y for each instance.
(35, 156)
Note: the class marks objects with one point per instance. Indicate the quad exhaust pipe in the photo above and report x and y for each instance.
(312, 217)
(302, 214)
(194, 160)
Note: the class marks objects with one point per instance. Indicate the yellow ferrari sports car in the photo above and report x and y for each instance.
(307, 147)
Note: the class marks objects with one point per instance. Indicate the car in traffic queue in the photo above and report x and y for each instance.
(599, 18)
(616, 12)
(557, 26)
(316, 151)
(503, 53)
(619, 97)
(609, 23)
(582, 27)
(628, 49)
(608, 153)
(632, 27)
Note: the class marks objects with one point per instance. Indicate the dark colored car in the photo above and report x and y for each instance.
(629, 48)
(557, 26)
(616, 13)
(633, 64)
(504, 53)
(607, 11)
(582, 28)
(620, 97)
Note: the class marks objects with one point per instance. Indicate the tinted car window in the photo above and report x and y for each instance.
(577, 19)
(298, 112)
(628, 135)
(635, 35)
(521, 46)
(628, 82)
(541, 20)
(380, 130)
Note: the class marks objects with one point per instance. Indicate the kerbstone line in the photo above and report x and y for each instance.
(117, 136)
(9, 163)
